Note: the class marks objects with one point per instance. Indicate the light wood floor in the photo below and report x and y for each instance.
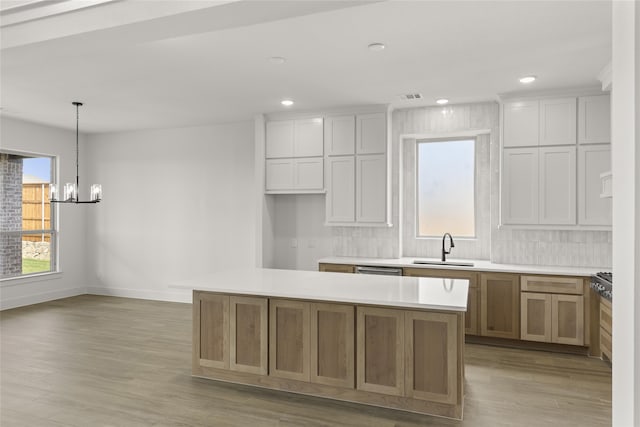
(104, 361)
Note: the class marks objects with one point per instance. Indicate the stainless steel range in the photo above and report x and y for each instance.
(602, 283)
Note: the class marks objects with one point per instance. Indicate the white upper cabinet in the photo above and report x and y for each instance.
(594, 119)
(371, 133)
(294, 138)
(371, 188)
(341, 189)
(293, 152)
(278, 174)
(520, 123)
(520, 186)
(340, 135)
(356, 173)
(279, 139)
(592, 161)
(308, 174)
(553, 152)
(557, 121)
(308, 141)
(557, 188)
(294, 175)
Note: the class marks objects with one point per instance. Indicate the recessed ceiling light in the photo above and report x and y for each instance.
(527, 79)
(376, 47)
(442, 101)
(277, 60)
(286, 102)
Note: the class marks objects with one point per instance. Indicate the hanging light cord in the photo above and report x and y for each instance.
(77, 104)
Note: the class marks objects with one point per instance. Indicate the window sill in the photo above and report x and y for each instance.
(36, 277)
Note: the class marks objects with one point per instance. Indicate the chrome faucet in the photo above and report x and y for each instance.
(451, 245)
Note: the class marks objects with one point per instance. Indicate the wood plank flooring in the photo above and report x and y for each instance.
(105, 361)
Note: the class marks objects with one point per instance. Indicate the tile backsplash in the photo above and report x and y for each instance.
(543, 247)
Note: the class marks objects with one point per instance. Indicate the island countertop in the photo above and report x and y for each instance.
(425, 293)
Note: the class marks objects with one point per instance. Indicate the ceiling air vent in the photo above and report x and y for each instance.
(411, 96)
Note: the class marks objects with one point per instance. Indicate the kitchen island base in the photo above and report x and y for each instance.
(402, 358)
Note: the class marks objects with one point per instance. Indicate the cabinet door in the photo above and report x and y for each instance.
(289, 339)
(535, 319)
(341, 189)
(558, 121)
(557, 185)
(592, 161)
(279, 139)
(371, 133)
(249, 334)
(308, 140)
(380, 350)
(371, 188)
(340, 135)
(471, 315)
(279, 174)
(431, 355)
(594, 119)
(520, 186)
(333, 344)
(500, 305)
(308, 174)
(211, 330)
(520, 123)
(567, 319)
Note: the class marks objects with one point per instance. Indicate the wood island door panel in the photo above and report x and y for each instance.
(567, 312)
(333, 344)
(500, 305)
(211, 330)
(431, 356)
(289, 339)
(380, 350)
(249, 334)
(535, 320)
(471, 315)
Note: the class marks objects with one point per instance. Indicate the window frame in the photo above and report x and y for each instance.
(52, 231)
(452, 138)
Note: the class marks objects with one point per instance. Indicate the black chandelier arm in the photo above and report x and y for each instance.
(75, 201)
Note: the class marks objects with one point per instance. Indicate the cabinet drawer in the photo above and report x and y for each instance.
(552, 285)
(605, 343)
(605, 316)
(337, 268)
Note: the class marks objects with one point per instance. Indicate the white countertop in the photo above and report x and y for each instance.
(478, 265)
(392, 291)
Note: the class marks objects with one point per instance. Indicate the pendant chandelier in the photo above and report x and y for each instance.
(70, 190)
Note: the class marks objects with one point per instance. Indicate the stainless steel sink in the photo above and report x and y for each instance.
(453, 263)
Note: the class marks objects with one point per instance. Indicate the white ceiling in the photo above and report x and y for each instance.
(207, 62)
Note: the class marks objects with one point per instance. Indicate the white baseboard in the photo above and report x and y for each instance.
(156, 295)
(6, 304)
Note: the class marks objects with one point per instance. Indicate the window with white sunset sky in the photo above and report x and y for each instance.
(446, 188)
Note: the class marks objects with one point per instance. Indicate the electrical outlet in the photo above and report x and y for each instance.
(294, 243)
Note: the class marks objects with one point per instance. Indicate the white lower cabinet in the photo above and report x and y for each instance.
(357, 190)
(557, 190)
(341, 189)
(539, 186)
(371, 188)
(592, 161)
(520, 186)
(294, 175)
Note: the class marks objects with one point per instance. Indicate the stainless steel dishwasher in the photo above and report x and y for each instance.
(382, 271)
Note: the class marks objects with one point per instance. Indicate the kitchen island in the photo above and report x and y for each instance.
(395, 342)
